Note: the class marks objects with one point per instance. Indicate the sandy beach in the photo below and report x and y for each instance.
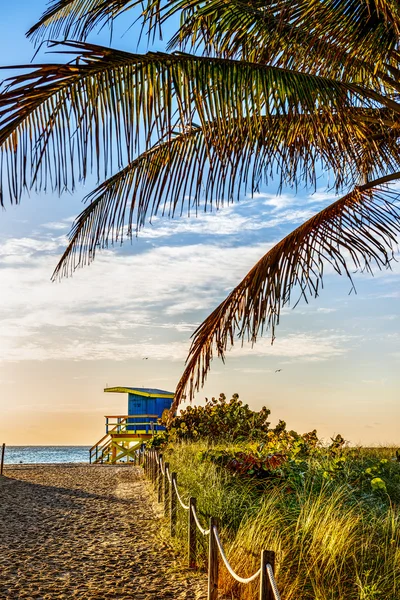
(87, 532)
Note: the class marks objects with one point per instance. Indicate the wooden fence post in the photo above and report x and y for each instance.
(263, 576)
(212, 563)
(192, 534)
(267, 556)
(150, 467)
(3, 448)
(166, 489)
(173, 505)
(153, 467)
(160, 478)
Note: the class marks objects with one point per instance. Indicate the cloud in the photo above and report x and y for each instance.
(303, 346)
(128, 306)
(222, 222)
(54, 225)
(323, 195)
(277, 201)
(107, 310)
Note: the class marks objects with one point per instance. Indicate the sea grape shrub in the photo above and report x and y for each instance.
(253, 464)
(281, 455)
(158, 441)
(219, 420)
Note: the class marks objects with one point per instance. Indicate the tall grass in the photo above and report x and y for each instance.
(331, 542)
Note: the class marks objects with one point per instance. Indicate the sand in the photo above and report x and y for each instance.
(87, 532)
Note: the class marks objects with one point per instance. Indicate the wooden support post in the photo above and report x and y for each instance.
(173, 505)
(267, 556)
(166, 489)
(263, 576)
(113, 454)
(151, 466)
(191, 535)
(3, 449)
(154, 469)
(159, 479)
(212, 563)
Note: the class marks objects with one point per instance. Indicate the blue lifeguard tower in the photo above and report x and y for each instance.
(125, 433)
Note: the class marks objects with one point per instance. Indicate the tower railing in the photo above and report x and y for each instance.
(126, 426)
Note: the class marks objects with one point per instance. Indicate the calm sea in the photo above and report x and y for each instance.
(46, 454)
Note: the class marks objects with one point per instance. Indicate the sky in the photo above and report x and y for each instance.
(127, 319)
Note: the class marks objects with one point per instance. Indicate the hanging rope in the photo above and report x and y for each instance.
(273, 582)
(228, 566)
(184, 506)
(203, 531)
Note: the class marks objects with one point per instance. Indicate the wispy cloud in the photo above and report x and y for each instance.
(55, 225)
(300, 346)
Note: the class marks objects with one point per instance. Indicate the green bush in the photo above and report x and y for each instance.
(218, 420)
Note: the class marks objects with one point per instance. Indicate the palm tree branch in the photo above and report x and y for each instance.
(196, 166)
(75, 19)
(328, 39)
(59, 116)
(360, 229)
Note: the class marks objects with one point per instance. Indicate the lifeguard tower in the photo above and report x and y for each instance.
(125, 433)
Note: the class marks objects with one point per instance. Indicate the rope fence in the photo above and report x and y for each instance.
(166, 486)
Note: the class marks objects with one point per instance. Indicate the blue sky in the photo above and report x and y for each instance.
(61, 343)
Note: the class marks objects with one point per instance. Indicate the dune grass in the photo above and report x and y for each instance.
(336, 536)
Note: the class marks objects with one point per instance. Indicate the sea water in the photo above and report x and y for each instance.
(46, 454)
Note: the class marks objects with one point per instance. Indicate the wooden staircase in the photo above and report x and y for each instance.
(123, 437)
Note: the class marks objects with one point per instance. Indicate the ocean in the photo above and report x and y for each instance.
(46, 454)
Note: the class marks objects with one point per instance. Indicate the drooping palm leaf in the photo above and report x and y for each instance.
(201, 169)
(75, 19)
(358, 231)
(311, 33)
(289, 32)
(57, 121)
(292, 34)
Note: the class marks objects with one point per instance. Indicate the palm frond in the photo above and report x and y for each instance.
(59, 121)
(197, 169)
(323, 37)
(76, 19)
(358, 231)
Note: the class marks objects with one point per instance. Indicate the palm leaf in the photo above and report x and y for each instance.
(357, 231)
(262, 31)
(57, 122)
(197, 169)
(75, 19)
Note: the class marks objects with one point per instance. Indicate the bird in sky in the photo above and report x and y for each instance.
(278, 370)
(145, 358)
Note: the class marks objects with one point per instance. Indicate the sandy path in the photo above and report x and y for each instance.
(87, 532)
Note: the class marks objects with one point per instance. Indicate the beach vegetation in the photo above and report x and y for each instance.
(328, 509)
